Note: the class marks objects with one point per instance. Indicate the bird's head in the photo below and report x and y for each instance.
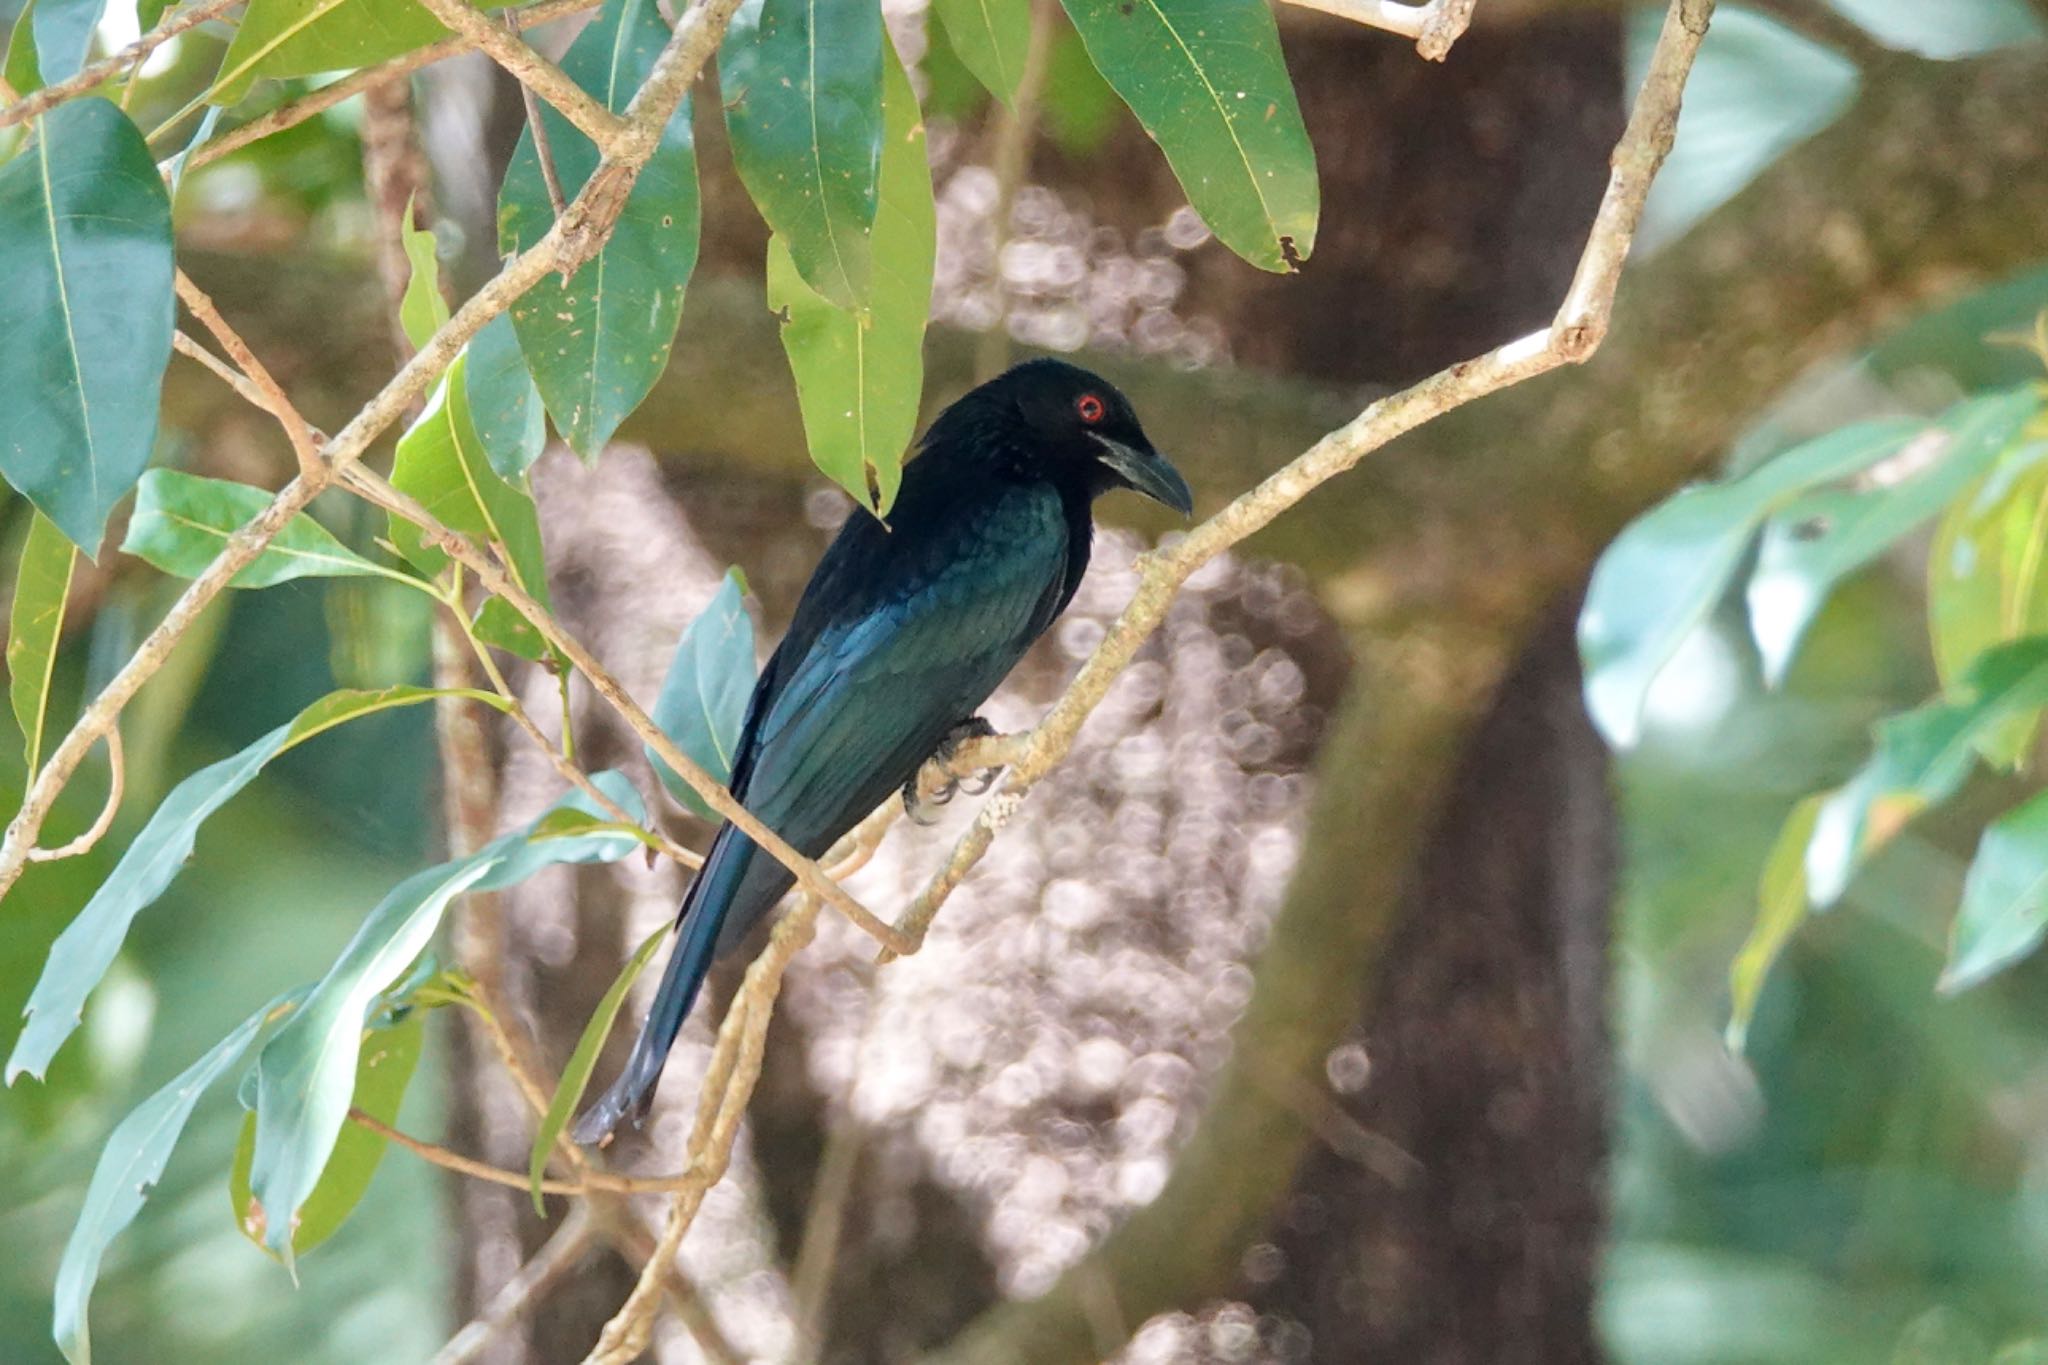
(1070, 424)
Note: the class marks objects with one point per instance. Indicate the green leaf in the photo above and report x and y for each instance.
(860, 376)
(1668, 569)
(1078, 108)
(89, 944)
(422, 310)
(278, 38)
(41, 586)
(991, 38)
(576, 1075)
(596, 345)
(499, 623)
(2004, 913)
(1781, 908)
(703, 699)
(1920, 759)
(441, 462)
(63, 31)
(504, 405)
(181, 523)
(383, 1071)
(19, 66)
(306, 1073)
(85, 319)
(1207, 82)
(802, 82)
(132, 1161)
(1820, 538)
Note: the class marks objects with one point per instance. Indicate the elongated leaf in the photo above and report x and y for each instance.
(19, 66)
(576, 1075)
(802, 81)
(703, 699)
(422, 310)
(504, 405)
(2004, 914)
(1781, 908)
(85, 317)
(41, 586)
(63, 30)
(859, 376)
(131, 1162)
(991, 38)
(306, 1073)
(596, 345)
(1921, 758)
(89, 944)
(181, 522)
(278, 38)
(1821, 537)
(383, 1071)
(1665, 572)
(1207, 82)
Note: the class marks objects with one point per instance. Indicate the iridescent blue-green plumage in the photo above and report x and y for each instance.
(903, 631)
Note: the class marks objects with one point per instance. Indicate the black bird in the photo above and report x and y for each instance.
(902, 633)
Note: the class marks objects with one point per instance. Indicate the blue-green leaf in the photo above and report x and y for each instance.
(2004, 914)
(504, 405)
(63, 30)
(182, 522)
(703, 699)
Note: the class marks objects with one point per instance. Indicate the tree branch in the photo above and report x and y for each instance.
(541, 1273)
(50, 96)
(1434, 26)
(533, 71)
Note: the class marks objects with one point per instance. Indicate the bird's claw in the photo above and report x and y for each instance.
(922, 807)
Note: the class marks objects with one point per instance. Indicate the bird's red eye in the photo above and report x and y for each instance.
(1090, 408)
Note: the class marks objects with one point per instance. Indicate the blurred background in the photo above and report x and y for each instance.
(1342, 968)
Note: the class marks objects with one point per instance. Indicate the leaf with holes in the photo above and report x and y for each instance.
(85, 318)
(182, 522)
(703, 699)
(596, 345)
(860, 376)
(802, 82)
(41, 586)
(1208, 83)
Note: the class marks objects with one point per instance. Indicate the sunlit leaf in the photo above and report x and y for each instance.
(1821, 537)
(2004, 913)
(703, 699)
(279, 38)
(182, 522)
(1208, 83)
(41, 586)
(1920, 759)
(1666, 571)
(130, 1163)
(802, 83)
(422, 310)
(576, 1075)
(596, 345)
(85, 317)
(860, 376)
(1781, 908)
(87, 947)
(383, 1071)
(991, 38)
(504, 405)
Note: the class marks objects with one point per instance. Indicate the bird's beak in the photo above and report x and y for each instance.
(1149, 472)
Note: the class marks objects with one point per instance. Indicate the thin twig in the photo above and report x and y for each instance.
(542, 152)
(541, 1273)
(536, 73)
(183, 343)
(327, 96)
(274, 400)
(1434, 27)
(50, 96)
(104, 822)
(438, 1155)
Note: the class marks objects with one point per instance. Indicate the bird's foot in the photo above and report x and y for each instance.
(920, 801)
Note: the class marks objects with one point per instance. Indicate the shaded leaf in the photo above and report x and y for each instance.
(1666, 571)
(85, 319)
(1208, 84)
(860, 376)
(2004, 912)
(1821, 537)
(802, 83)
(703, 700)
(63, 31)
(566, 823)
(41, 586)
(1921, 758)
(19, 66)
(596, 345)
(130, 1163)
(1079, 109)
(383, 1071)
(89, 944)
(421, 310)
(499, 623)
(504, 405)
(278, 38)
(576, 1075)
(182, 522)
(991, 38)
(1781, 908)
